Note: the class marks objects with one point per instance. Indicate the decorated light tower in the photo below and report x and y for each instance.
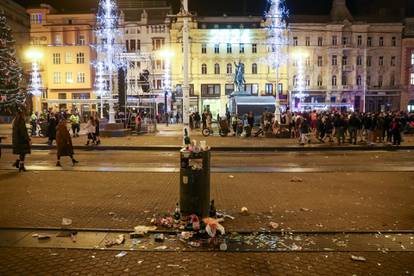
(109, 49)
(277, 41)
(300, 81)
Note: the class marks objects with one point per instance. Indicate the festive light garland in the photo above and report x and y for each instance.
(36, 83)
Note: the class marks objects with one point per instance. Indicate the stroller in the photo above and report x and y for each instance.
(224, 129)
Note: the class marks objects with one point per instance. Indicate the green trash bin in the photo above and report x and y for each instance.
(195, 183)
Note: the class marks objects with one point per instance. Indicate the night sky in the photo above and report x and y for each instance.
(253, 7)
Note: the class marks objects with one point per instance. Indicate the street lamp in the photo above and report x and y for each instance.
(166, 55)
(35, 55)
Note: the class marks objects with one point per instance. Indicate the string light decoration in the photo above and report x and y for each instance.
(109, 49)
(35, 82)
(277, 41)
(300, 78)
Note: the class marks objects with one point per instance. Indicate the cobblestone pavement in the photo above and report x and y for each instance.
(323, 201)
(21, 261)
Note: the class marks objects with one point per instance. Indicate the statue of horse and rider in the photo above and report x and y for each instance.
(239, 80)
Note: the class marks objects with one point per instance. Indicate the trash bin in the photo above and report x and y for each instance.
(195, 183)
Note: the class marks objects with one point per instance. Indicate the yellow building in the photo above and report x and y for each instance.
(216, 44)
(66, 70)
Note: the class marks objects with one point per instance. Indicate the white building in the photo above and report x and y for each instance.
(348, 61)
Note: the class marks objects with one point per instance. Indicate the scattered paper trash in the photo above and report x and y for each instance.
(159, 237)
(358, 258)
(43, 237)
(223, 246)
(140, 261)
(120, 239)
(212, 226)
(296, 179)
(244, 211)
(305, 209)
(231, 176)
(274, 225)
(66, 221)
(162, 247)
(142, 230)
(121, 254)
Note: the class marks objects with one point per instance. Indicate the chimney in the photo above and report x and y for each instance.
(340, 12)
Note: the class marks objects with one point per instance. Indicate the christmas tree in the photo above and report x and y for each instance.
(11, 94)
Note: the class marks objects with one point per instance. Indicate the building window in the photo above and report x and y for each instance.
(381, 61)
(295, 41)
(344, 80)
(252, 89)
(216, 48)
(269, 89)
(80, 58)
(228, 89)
(62, 96)
(157, 43)
(393, 61)
(369, 41)
(392, 80)
(254, 48)
(320, 41)
(204, 48)
(369, 61)
(307, 41)
(68, 58)
(380, 79)
(307, 62)
(344, 40)
(334, 60)
(333, 80)
(81, 77)
(359, 40)
(307, 81)
(295, 81)
(320, 82)
(334, 40)
(394, 41)
(210, 90)
(254, 68)
(241, 48)
(359, 80)
(229, 49)
(56, 77)
(229, 68)
(81, 39)
(36, 18)
(56, 58)
(58, 39)
(69, 77)
(368, 80)
(344, 60)
(359, 60)
(412, 79)
(204, 69)
(381, 41)
(320, 61)
(217, 69)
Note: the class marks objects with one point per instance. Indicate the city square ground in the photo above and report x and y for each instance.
(322, 193)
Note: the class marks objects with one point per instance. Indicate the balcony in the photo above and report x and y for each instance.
(347, 87)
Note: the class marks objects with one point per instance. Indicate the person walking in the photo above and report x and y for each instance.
(75, 122)
(396, 127)
(90, 130)
(51, 128)
(21, 140)
(339, 124)
(33, 122)
(354, 125)
(304, 132)
(64, 143)
(97, 132)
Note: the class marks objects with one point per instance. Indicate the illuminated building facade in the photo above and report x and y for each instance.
(67, 75)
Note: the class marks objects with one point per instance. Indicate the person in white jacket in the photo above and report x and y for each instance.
(90, 130)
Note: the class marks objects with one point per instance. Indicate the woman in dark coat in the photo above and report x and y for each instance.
(51, 128)
(64, 143)
(97, 135)
(21, 140)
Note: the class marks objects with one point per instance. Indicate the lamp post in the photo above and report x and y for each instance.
(35, 55)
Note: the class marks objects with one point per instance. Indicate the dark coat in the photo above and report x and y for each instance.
(51, 128)
(63, 141)
(20, 139)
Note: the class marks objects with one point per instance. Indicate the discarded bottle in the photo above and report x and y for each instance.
(177, 212)
(213, 211)
(187, 140)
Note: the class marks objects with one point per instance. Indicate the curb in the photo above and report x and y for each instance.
(227, 149)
